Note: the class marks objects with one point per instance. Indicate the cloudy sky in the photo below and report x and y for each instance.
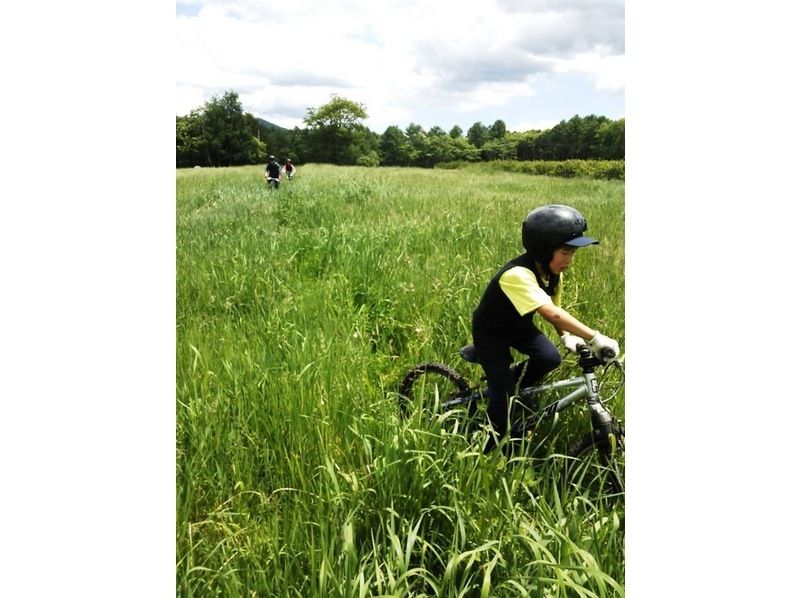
(531, 63)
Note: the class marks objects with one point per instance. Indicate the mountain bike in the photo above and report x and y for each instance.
(595, 461)
(273, 182)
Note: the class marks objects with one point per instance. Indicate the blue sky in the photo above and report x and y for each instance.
(530, 63)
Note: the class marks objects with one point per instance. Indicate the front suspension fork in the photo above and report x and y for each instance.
(602, 421)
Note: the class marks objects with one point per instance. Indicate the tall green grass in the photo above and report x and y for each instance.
(298, 311)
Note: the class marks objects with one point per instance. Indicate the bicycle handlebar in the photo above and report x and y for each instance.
(607, 354)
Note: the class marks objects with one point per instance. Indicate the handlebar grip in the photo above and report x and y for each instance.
(608, 353)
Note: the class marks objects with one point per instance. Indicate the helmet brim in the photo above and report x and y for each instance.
(581, 242)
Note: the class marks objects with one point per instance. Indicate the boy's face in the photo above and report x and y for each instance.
(562, 258)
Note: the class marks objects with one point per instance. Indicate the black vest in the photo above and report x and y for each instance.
(496, 316)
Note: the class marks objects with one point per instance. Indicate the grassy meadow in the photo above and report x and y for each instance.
(298, 311)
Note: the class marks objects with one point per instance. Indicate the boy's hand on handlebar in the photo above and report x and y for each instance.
(571, 341)
(604, 348)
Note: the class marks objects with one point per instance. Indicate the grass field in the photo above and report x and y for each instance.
(297, 313)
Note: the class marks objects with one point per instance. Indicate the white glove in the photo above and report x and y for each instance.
(600, 345)
(571, 341)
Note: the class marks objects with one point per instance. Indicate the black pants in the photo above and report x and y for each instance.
(494, 355)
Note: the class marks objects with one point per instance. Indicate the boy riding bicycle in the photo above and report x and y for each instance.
(289, 169)
(529, 284)
(272, 173)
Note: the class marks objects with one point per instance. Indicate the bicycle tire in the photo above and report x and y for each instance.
(596, 469)
(442, 376)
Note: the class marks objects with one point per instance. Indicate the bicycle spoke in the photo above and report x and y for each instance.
(595, 468)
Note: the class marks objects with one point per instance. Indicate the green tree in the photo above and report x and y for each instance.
(227, 135)
(416, 139)
(258, 151)
(339, 113)
(526, 145)
(189, 144)
(588, 137)
(497, 130)
(499, 149)
(369, 159)
(464, 150)
(296, 146)
(610, 138)
(219, 133)
(363, 143)
(276, 140)
(333, 129)
(478, 134)
(443, 148)
(456, 132)
(394, 148)
(436, 149)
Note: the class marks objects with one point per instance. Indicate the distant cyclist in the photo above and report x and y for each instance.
(530, 284)
(289, 169)
(273, 173)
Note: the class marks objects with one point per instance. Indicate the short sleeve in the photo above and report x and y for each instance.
(520, 286)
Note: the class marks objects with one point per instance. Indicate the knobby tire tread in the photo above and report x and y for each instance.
(407, 384)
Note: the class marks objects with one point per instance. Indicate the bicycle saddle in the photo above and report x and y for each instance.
(469, 352)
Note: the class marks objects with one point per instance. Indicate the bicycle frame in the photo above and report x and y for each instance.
(586, 387)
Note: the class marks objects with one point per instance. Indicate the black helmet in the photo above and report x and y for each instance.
(271, 157)
(548, 227)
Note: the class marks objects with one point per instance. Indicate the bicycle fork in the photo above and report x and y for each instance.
(602, 420)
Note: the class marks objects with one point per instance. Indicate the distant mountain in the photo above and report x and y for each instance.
(269, 125)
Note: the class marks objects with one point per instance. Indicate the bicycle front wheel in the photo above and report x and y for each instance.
(433, 388)
(596, 466)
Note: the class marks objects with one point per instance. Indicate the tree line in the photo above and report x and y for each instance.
(221, 133)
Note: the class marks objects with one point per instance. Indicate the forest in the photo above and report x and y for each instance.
(221, 133)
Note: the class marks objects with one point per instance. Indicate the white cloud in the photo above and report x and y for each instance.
(607, 72)
(397, 58)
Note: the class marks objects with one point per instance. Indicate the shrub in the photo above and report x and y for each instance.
(370, 159)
